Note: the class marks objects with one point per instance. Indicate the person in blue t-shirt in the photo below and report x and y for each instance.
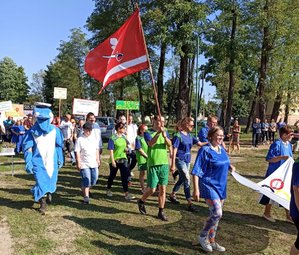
(294, 205)
(203, 132)
(210, 172)
(278, 153)
(182, 143)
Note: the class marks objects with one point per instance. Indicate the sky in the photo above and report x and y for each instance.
(31, 31)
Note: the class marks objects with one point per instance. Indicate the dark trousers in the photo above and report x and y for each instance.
(296, 222)
(271, 136)
(123, 167)
(265, 136)
(255, 139)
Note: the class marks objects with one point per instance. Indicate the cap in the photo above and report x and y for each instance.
(87, 126)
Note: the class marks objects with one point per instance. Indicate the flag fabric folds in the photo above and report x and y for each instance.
(121, 54)
(277, 186)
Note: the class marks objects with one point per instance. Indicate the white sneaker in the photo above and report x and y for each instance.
(216, 247)
(129, 197)
(132, 174)
(109, 193)
(205, 245)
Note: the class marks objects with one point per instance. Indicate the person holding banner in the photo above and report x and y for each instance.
(278, 153)
(210, 172)
(294, 205)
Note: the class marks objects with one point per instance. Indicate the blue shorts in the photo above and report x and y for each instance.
(89, 176)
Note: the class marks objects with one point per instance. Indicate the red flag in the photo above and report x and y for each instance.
(121, 54)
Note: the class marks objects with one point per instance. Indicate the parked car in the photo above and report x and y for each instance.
(107, 126)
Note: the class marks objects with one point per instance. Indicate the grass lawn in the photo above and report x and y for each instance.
(114, 226)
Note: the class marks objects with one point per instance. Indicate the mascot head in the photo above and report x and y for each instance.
(43, 118)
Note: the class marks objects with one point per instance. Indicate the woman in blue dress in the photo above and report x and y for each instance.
(278, 153)
(210, 172)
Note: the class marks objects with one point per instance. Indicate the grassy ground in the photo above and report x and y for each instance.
(113, 226)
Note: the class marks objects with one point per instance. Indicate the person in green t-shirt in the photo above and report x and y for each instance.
(158, 168)
(141, 148)
(117, 146)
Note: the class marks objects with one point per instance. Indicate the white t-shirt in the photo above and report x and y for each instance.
(87, 149)
(97, 135)
(131, 134)
(67, 129)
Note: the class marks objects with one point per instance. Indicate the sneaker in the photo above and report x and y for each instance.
(129, 197)
(109, 193)
(216, 247)
(173, 199)
(205, 245)
(162, 216)
(132, 174)
(86, 200)
(141, 206)
(191, 208)
(269, 218)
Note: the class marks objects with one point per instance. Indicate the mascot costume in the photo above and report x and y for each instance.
(43, 154)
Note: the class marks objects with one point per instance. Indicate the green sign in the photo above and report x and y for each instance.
(127, 105)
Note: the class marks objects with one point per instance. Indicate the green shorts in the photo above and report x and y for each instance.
(142, 167)
(157, 175)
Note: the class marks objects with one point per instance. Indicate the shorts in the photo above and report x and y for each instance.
(157, 175)
(89, 176)
(142, 167)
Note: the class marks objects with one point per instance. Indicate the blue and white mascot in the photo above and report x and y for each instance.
(43, 154)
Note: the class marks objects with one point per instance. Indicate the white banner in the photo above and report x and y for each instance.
(84, 106)
(277, 186)
(60, 93)
(5, 106)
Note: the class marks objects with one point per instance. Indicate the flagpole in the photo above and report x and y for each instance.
(150, 67)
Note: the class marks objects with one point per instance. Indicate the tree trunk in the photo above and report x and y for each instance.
(252, 110)
(264, 64)
(231, 87)
(171, 101)
(276, 106)
(183, 95)
(287, 108)
(160, 75)
(190, 84)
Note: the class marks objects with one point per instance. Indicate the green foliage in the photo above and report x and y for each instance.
(67, 71)
(13, 82)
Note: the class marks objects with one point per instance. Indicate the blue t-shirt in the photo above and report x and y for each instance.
(295, 182)
(203, 134)
(256, 128)
(184, 144)
(278, 148)
(212, 168)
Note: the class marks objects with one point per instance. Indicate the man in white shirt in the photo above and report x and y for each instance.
(131, 134)
(67, 132)
(96, 131)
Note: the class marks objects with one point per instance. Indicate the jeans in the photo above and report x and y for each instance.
(184, 177)
(89, 176)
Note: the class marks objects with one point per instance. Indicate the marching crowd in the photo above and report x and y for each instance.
(155, 153)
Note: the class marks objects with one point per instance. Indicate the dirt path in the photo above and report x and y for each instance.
(5, 240)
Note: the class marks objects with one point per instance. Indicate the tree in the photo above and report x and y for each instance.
(13, 81)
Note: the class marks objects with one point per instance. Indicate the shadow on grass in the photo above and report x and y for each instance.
(178, 237)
